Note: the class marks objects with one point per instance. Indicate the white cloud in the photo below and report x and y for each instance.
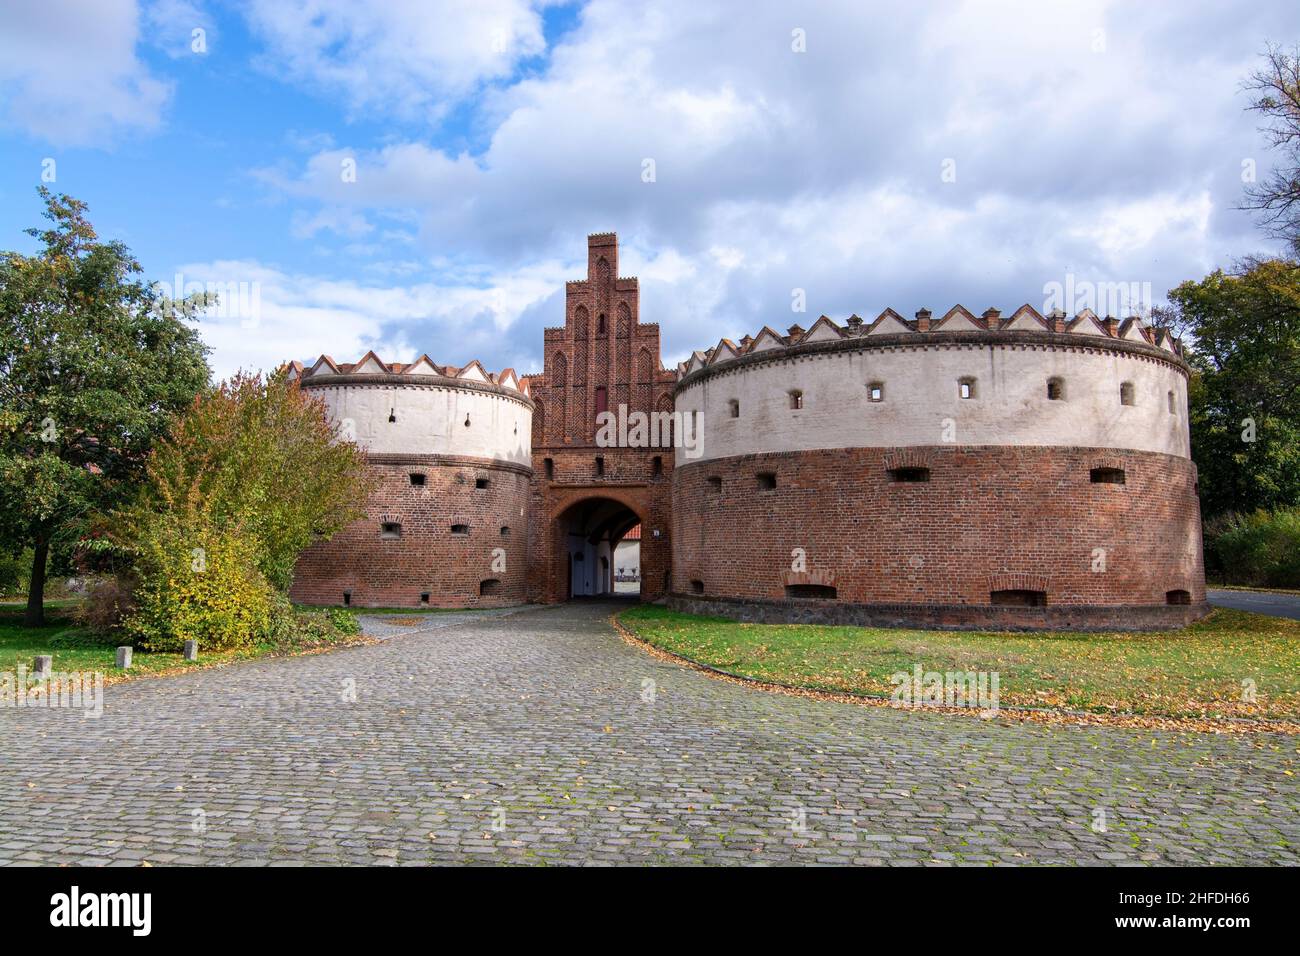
(270, 315)
(409, 58)
(1101, 139)
(69, 73)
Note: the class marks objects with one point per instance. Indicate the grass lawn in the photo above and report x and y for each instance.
(1196, 672)
(74, 651)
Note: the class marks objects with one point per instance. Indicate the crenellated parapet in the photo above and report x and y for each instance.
(423, 408)
(958, 326)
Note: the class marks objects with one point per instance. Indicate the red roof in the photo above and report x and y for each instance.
(633, 535)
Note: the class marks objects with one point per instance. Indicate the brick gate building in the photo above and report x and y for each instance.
(960, 471)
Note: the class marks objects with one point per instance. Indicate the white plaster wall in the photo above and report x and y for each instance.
(921, 394)
(431, 421)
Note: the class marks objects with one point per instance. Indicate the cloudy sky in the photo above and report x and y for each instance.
(420, 176)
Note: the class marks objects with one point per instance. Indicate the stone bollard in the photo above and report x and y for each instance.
(191, 650)
(42, 664)
(124, 656)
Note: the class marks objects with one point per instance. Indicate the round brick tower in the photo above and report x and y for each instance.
(447, 524)
(972, 471)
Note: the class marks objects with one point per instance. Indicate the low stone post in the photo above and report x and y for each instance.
(124, 657)
(191, 650)
(42, 664)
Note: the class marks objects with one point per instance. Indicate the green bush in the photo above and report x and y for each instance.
(201, 585)
(1261, 549)
(344, 621)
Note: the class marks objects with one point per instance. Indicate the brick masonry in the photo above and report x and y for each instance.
(428, 556)
(931, 553)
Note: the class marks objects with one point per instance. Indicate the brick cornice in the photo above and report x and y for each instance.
(453, 461)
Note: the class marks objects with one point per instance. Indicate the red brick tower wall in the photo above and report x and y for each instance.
(429, 557)
(931, 553)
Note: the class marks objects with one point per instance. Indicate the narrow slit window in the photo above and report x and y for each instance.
(657, 466)
(347, 598)
(1055, 389)
(909, 474)
(549, 465)
(600, 466)
(1016, 597)
(824, 592)
(796, 399)
(1126, 393)
(1106, 476)
(733, 407)
(1173, 407)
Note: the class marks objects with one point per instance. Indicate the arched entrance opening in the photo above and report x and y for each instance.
(589, 534)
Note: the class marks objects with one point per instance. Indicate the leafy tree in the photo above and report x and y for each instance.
(1275, 92)
(92, 365)
(1245, 390)
(248, 477)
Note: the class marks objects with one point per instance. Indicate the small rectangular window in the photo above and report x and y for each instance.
(1178, 596)
(600, 466)
(1018, 598)
(549, 465)
(697, 586)
(1055, 390)
(796, 399)
(766, 480)
(390, 529)
(715, 484)
(876, 392)
(417, 480)
(489, 587)
(460, 529)
(912, 474)
(1107, 476)
(734, 407)
(823, 591)
(347, 598)
(966, 388)
(424, 597)
(1126, 393)
(480, 483)
(657, 466)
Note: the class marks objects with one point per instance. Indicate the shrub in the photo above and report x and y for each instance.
(108, 604)
(201, 585)
(344, 621)
(1261, 549)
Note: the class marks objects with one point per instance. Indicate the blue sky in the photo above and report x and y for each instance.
(871, 156)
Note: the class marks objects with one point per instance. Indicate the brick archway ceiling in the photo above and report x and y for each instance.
(595, 517)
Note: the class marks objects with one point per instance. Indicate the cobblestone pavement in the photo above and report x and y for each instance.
(581, 749)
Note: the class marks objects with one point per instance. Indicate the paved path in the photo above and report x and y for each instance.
(1276, 603)
(582, 749)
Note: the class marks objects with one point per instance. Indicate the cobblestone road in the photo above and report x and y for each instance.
(537, 723)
